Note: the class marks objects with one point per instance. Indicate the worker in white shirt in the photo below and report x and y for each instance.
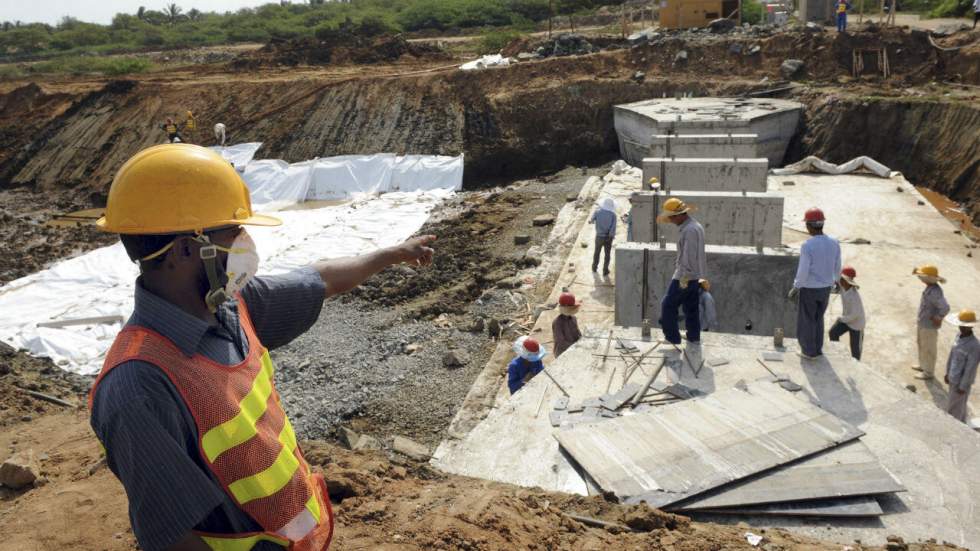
(815, 276)
(851, 320)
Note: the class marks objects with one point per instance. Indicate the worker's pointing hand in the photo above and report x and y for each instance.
(417, 250)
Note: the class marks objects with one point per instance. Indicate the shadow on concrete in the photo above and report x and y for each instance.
(939, 394)
(786, 522)
(840, 397)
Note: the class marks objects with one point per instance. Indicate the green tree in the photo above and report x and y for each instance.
(173, 13)
(26, 39)
(141, 13)
(194, 14)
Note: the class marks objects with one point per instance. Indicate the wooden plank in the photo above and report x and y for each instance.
(852, 507)
(845, 471)
(684, 449)
(617, 400)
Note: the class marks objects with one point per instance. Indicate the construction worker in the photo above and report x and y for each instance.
(565, 327)
(526, 365)
(932, 308)
(961, 367)
(190, 126)
(186, 406)
(816, 274)
(841, 8)
(851, 320)
(690, 267)
(219, 134)
(170, 127)
(707, 309)
(604, 219)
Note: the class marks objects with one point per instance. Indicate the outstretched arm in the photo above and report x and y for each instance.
(343, 274)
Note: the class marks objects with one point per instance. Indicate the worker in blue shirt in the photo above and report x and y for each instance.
(841, 8)
(526, 365)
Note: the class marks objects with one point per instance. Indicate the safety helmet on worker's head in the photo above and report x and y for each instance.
(529, 349)
(964, 318)
(178, 188)
(849, 274)
(567, 304)
(929, 274)
(673, 207)
(814, 216)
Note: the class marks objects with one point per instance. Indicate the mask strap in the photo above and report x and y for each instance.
(209, 255)
(162, 250)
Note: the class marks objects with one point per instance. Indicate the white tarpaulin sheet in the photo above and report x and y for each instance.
(100, 282)
(816, 164)
(494, 60)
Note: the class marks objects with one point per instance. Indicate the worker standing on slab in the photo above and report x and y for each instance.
(565, 327)
(526, 365)
(690, 267)
(170, 128)
(816, 275)
(841, 7)
(851, 320)
(932, 308)
(219, 134)
(190, 126)
(708, 311)
(961, 367)
(186, 406)
(604, 219)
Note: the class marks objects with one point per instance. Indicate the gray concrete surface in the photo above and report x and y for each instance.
(729, 218)
(774, 121)
(933, 455)
(708, 174)
(749, 287)
(741, 146)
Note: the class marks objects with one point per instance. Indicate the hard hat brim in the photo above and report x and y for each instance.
(953, 319)
(665, 215)
(937, 279)
(254, 220)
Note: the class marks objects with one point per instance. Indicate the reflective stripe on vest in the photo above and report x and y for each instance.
(245, 438)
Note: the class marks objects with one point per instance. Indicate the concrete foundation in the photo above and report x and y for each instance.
(728, 218)
(741, 146)
(749, 287)
(773, 121)
(722, 174)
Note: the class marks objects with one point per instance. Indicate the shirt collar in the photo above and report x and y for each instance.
(165, 318)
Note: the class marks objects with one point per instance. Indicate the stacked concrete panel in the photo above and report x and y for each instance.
(729, 218)
(773, 121)
(718, 174)
(742, 146)
(749, 287)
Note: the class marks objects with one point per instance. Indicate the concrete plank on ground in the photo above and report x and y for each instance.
(851, 507)
(848, 470)
(684, 449)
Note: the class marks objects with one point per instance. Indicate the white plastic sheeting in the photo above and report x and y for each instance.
(495, 60)
(816, 164)
(100, 283)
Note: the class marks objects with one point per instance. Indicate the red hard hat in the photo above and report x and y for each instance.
(849, 272)
(566, 299)
(813, 215)
(531, 345)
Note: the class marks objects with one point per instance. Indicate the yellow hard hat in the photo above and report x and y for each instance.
(929, 271)
(177, 188)
(965, 318)
(673, 207)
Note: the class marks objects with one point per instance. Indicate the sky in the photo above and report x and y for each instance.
(101, 11)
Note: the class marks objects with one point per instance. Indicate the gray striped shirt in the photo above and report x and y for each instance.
(933, 304)
(149, 434)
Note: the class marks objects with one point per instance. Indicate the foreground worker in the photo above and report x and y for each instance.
(526, 365)
(185, 405)
(932, 308)
(604, 219)
(170, 128)
(690, 267)
(961, 367)
(841, 7)
(565, 327)
(851, 320)
(816, 273)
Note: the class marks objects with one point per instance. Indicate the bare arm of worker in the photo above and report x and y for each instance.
(343, 274)
(191, 542)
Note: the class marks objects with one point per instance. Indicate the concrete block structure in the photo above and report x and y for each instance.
(729, 218)
(749, 287)
(741, 146)
(720, 174)
(773, 121)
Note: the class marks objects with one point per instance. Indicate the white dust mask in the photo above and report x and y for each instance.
(242, 264)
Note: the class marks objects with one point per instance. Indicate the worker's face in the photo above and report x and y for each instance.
(185, 261)
(966, 331)
(678, 219)
(845, 284)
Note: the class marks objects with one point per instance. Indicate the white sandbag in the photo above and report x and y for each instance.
(816, 164)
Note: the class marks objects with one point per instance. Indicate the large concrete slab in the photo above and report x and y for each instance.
(773, 121)
(719, 174)
(680, 450)
(749, 287)
(742, 146)
(935, 457)
(729, 218)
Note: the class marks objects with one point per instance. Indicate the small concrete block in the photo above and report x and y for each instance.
(608, 414)
(349, 438)
(561, 403)
(556, 417)
(715, 362)
(410, 448)
(522, 239)
(366, 442)
(790, 386)
(591, 411)
(595, 403)
(770, 356)
(543, 220)
(19, 470)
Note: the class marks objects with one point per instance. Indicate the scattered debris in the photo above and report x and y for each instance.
(410, 448)
(543, 220)
(791, 68)
(20, 470)
(455, 358)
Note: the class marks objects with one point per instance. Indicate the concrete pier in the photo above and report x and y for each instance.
(742, 146)
(749, 287)
(710, 174)
(729, 218)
